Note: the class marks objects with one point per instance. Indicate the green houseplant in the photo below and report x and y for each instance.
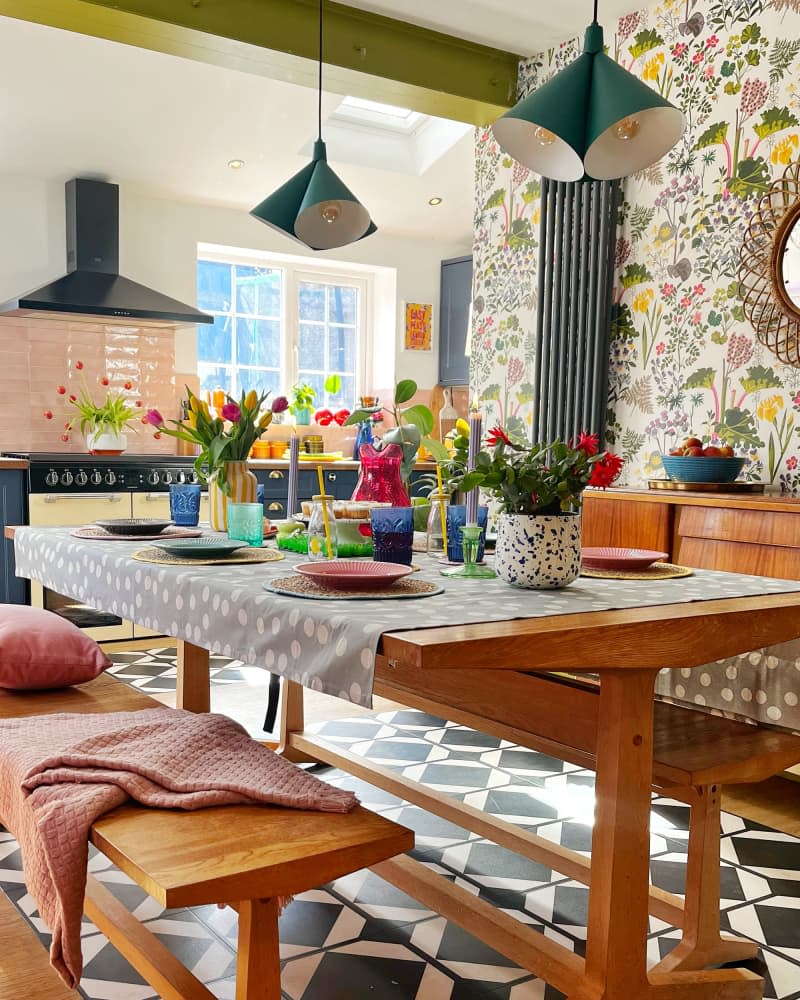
(412, 427)
(539, 489)
(102, 423)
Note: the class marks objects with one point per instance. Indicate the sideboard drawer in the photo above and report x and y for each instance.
(760, 527)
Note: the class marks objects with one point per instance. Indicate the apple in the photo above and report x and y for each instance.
(694, 450)
(711, 451)
(726, 451)
(692, 442)
(677, 452)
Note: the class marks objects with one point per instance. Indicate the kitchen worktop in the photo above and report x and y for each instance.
(13, 463)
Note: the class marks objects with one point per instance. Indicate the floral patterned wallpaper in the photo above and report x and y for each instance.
(683, 356)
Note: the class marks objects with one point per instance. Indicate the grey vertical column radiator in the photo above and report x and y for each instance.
(577, 236)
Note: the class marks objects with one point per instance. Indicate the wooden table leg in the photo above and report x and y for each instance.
(292, 721)
(193, 691)
(258, 960)
(616, 967)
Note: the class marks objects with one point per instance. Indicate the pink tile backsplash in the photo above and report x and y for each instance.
(38, 355)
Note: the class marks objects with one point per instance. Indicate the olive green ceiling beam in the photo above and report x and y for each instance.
(366, 55)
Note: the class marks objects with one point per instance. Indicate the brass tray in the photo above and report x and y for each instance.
(737, 487)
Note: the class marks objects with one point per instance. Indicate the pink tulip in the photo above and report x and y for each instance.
(279, 404)
(231, 411)
(154, 417)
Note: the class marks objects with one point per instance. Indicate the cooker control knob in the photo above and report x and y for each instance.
(152, 478)
(66, 478)
(95, 478)
(81, 479)
(181, 476)
(191, 476)
(110, 478)
(51, 478)
(166, 477)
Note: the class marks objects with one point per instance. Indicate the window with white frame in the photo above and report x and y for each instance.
(278, 323)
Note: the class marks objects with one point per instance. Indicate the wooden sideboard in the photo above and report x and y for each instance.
(742, 533)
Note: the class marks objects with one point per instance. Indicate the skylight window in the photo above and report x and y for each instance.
(357, 110)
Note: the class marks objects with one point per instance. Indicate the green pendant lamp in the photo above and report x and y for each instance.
(314, 207)
(593, 119)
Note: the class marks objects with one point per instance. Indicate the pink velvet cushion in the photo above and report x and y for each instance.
(38, 649)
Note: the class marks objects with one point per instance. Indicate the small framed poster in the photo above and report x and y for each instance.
(418, 326)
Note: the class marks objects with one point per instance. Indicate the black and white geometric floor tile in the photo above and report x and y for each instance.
(154, 670)
(360, 938)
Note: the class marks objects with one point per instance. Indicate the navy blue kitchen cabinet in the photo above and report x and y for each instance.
(339, 483)
(13, 590)
(455, 299)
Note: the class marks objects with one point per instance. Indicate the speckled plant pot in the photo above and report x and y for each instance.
(538, 551)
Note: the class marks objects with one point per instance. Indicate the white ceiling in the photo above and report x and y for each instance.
(522, 26)
(71, 105)
(74, 105)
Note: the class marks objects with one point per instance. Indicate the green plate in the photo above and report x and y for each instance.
(202, 548)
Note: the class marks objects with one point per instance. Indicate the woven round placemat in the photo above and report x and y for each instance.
(658, 571)
(301, 586)
(174, 531)
(248, 555)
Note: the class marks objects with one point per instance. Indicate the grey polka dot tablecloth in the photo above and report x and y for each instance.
(326, 645)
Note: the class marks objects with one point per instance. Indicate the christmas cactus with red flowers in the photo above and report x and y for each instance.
(537, 479)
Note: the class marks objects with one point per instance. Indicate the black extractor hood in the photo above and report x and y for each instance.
(93, 285)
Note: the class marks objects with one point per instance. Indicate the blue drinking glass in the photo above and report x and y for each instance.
(184, 504)
(456, 519)
(392, 534)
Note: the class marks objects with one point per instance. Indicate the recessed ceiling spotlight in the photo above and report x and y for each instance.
(236, 164)
(434, 201)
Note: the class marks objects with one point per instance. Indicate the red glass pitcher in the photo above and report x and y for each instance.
(379, 478)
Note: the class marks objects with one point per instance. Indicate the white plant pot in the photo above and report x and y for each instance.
(105, 443)
(538, 551)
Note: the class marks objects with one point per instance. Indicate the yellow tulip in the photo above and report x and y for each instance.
(266, 420)
(462, 427)
(191, 419)
(251, 399)
(195, 404)
(204, 408)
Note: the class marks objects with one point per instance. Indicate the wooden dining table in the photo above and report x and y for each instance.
(476, 675)
(480, 675)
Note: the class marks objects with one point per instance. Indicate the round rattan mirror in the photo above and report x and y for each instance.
(769, 268)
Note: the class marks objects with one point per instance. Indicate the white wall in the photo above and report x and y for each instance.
(158, 247)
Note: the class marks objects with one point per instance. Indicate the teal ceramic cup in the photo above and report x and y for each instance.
(246, 522)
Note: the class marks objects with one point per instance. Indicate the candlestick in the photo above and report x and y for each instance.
(292, 505)
(475, 426)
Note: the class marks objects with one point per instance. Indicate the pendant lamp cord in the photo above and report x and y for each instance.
(319, 88)
(595, 13)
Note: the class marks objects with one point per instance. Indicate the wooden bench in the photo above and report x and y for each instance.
(243, 856)
(694, 753)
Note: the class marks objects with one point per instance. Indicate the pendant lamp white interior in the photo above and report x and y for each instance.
(592, 119)
(314, 207)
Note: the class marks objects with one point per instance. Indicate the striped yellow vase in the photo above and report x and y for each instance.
(242, 484)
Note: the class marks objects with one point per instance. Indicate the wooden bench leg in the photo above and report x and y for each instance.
(702, 944)
(258, 960)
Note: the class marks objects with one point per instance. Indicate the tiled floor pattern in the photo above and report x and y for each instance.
(361, 939)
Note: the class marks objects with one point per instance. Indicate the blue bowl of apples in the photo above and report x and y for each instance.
(693, 462)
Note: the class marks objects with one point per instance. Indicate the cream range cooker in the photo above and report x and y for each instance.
(76, 490)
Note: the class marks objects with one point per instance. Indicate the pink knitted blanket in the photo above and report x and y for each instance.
(58, 773)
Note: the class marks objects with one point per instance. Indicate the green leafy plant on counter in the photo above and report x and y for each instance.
(413, 426)
(302, 394)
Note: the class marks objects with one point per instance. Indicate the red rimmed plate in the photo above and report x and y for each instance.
(619, 558)
(353, 574)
